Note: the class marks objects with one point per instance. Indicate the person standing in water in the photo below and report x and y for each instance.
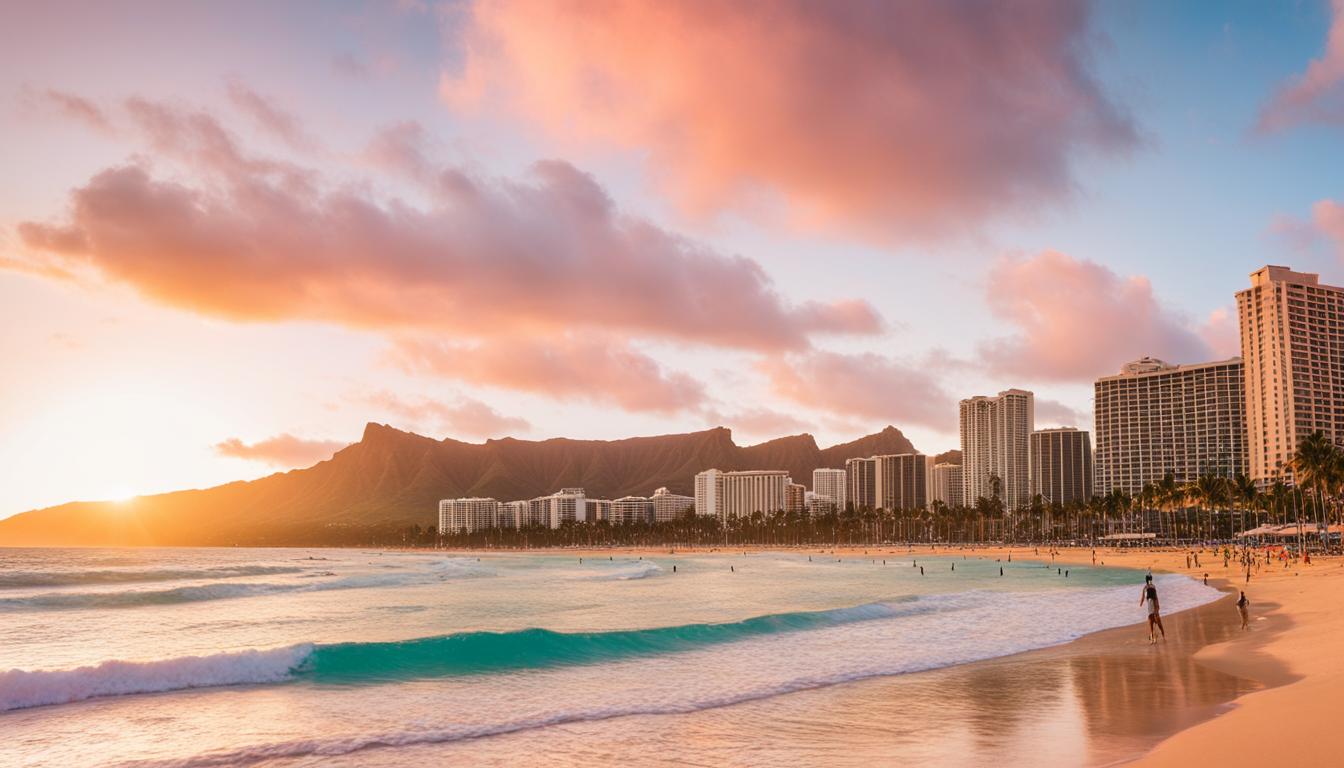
(1243, 608)
(1154, 610)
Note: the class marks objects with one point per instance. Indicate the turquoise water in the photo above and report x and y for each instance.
(296, 657)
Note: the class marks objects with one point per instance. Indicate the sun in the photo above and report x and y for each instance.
(121, 495)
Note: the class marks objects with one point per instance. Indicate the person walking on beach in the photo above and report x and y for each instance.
(1243, 608)
(1149, 597)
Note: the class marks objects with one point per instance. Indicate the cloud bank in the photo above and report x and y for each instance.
(1076, 320)
(1316, 95)
(897, 120)
(256, 239)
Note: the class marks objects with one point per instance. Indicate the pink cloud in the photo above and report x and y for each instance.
(73, 107)
(1052, 413)
(1221, 333)
(284, 450)
(1317, 95)
(866, 386)
(251, 238)
(463, 416)
(268, 116)
(900, 120)
(569, 367)
(759, 422)
(1076, 320)
(1328, 218)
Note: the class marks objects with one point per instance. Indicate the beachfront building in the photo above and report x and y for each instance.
(860, 483)
(901, 481)
(631, 509)
(995, 437)
(1292, 339)
(514, 514)
(709, 493)
(467, 515)
(828, 488)
(795, 499)
(563, 506)
(730, 495)
(1155, 418)
(598, 510)
(946, 485)
(1061, 465)
(668, 506)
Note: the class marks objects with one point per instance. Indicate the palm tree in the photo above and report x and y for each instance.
(1312, 465)
(1212, 492)
(1168, 496)
(1245, 495)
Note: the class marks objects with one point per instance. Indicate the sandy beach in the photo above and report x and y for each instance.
(1211, 693)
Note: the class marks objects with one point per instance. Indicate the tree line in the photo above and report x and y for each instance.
(1209, 507)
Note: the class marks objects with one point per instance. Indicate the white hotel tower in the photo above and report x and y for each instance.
(828, 487)
(728, 495)
(467, 514)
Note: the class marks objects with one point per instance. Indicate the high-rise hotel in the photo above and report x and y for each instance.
(728, 495)
(890, 482)
(995, 432)
(1153, 418)
(1061, 465)
(1292, 339)
(828, 488)
(946, 485)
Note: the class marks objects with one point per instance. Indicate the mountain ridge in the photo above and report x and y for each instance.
(395, 477)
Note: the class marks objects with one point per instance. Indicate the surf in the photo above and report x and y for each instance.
(465, 653)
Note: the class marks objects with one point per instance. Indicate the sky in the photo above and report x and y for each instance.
(231, 234)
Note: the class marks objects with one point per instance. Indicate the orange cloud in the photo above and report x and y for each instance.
(258, 239)
(901, 120)
(284, 450)
(1077, 320)
(572, 367)
(867, 386)
(1317, 95)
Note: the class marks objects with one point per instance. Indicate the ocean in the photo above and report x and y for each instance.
(287, 657)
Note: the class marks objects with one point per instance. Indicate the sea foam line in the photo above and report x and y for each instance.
(464, 653)
(436, 571)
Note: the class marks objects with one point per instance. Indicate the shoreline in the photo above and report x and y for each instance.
(1210, 693)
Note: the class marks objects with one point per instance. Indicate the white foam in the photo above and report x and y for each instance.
(439, 571)
(20, 689)
(640, 569)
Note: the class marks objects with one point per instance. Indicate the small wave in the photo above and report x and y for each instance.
(22, 579)
(448, 655)
(440, 571)
(640, 569)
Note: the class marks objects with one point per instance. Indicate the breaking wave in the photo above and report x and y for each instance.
(444, 656)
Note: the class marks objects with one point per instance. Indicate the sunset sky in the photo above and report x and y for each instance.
(233, 233)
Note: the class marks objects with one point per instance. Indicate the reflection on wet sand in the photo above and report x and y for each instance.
(1105, 698)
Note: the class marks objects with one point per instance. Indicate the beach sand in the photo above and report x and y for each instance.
(1210, 694)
